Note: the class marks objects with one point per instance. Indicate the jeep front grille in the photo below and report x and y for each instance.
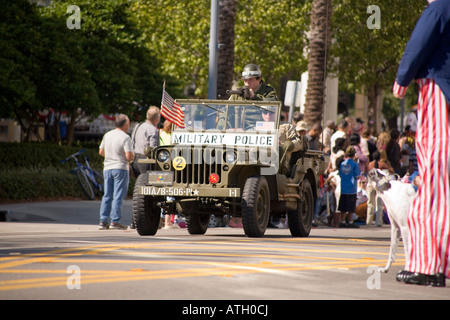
(200, 164)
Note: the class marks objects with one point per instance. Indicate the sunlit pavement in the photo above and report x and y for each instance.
(62, 258)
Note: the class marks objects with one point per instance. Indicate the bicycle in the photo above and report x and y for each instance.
(88, 178)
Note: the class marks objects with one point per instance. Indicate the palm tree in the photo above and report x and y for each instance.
(225, 56)
(319, 40)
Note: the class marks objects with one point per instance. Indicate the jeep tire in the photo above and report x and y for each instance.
(146, 214)
(197, 223)
(255, 206)
(300, 221)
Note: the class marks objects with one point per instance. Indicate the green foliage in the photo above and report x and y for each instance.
(392, 106)
(104, 67)
(38, 156)
(178, 33)
(65, 83)
(19, 63)
(31, 171)
(31, 185)
(125, 73)
(119, 59)
(269, 33)
(273, 35)
(370, 57)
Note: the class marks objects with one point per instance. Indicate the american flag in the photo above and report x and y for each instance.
(171, 110)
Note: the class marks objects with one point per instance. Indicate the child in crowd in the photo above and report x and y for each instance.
(349, 173)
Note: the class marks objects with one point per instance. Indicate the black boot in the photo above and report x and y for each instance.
(437, 280)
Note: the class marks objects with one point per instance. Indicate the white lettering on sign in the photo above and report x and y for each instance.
(152, 191)
(185, 192)
(231, 139)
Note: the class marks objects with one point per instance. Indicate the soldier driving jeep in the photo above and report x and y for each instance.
(256, 89)
(254, 86)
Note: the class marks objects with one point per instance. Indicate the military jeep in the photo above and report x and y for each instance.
(227, 161)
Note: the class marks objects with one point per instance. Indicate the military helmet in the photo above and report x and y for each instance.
(251, 71)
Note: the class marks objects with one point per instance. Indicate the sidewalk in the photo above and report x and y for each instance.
(69, 212)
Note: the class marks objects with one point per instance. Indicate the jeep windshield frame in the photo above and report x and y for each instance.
(229, 116)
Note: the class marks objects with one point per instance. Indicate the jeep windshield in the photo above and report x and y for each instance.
(230, 116)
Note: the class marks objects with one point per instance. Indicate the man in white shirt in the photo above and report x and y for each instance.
(340, 132)
(116, 149)
(411, 119)
(325, 137)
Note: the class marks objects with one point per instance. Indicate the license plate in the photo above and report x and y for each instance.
(168, 191)
(189, 192)
(160, 178)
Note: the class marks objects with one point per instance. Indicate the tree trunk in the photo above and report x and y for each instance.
(225, 57)
(71, 127)
(319, 39)
(372, 96)
(27, 120)
(56, 128)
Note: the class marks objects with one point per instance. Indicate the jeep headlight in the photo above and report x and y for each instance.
(163, 155)
(230, 157)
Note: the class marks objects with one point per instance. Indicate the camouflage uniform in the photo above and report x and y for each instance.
(264, 92)
(287, 132)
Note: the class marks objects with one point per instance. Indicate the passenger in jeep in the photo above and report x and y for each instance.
(287, 138)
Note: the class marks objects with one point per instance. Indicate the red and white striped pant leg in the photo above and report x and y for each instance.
(429, 217)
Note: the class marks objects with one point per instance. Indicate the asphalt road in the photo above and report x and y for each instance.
(54, 250)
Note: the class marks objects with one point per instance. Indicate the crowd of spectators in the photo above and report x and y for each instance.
(392, 151)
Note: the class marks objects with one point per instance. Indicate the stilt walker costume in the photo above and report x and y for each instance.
(427, 60)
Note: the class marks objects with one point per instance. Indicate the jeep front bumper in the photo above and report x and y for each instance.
(201, 192)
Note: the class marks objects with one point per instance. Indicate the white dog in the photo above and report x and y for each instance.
(397, 197)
